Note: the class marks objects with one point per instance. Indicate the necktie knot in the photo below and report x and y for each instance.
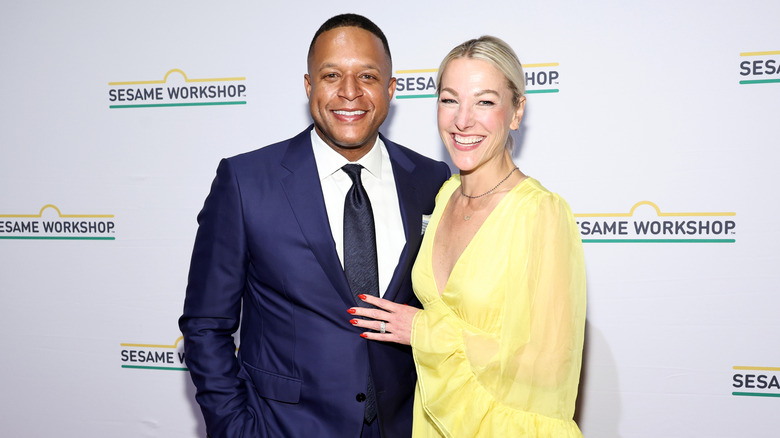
(353, 170)
(357, 202)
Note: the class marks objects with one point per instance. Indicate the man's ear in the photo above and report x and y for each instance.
(307, 85)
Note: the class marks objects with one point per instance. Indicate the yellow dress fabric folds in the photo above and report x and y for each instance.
(498, 353)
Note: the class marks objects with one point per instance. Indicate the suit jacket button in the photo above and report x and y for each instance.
(360, 397)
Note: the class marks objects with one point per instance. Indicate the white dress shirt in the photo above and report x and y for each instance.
(379, 182)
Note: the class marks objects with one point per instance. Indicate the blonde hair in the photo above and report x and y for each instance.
(498, 53)
(495, 51)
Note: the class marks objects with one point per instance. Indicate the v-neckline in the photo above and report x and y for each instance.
(440, 293)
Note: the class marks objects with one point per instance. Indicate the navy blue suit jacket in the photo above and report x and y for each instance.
(264, 259)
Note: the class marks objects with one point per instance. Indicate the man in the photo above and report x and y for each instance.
(274, 238)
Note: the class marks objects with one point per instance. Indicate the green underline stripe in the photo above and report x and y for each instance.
(755, 394)
(417, 96)
(428, 96)
(139, 367)
(759, 81)
(55, 238)
(154, 105)
(658, 240)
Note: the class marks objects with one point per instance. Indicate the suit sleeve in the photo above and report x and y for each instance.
(212, 310)
(475, 383)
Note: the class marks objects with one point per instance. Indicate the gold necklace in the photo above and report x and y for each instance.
(468, 216)
(491, 190)
(479, 207)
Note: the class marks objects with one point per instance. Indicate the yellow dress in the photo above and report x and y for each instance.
(498, 354)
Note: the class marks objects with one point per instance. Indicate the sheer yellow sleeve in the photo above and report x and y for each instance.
(518, 375)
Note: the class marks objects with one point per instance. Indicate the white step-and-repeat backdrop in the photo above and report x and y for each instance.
(657, 121)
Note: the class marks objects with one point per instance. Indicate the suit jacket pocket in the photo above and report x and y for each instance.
(275, 386)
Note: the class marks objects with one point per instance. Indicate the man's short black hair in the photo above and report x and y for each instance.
(351, 20)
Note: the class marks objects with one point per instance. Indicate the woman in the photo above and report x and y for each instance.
(500, 273)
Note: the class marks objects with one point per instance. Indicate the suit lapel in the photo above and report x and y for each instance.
(411, 215)
(304, 192)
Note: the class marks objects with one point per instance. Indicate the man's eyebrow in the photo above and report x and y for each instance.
(335, 65)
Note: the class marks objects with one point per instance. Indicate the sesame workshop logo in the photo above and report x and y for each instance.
(541, 78)
(416, 84)
(645, 223)
(51, 224)
(176, 89)
(759, 67)
(421, 83)
(153, 356)
(749, 381)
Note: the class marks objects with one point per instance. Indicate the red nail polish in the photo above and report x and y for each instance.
(362, 297)
(353, 321)
(363, 335)
(351, 310)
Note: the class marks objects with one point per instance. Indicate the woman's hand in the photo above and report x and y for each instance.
(396, 318)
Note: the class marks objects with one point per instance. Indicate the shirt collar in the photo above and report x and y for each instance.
(329, 161)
